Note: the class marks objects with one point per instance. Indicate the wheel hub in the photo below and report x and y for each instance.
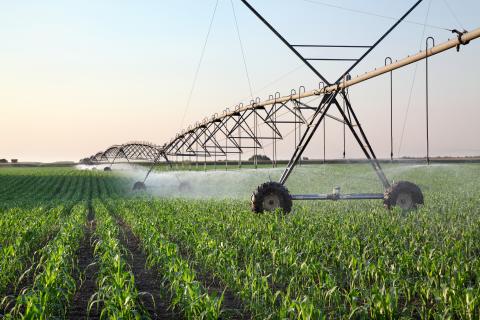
(405, 201)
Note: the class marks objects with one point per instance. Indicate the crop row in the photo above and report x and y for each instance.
(187, 293)
(23, 232)
(28, 188)
(117, 295)
(313, 265)
(53, 285)
(25, 189)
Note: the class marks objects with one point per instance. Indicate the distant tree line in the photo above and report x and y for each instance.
(260, 157)
(86, 161)
(6, 161)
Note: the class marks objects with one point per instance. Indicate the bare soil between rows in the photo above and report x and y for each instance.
(232, 305)
(88, 270)
(143, 280)
(146, 281)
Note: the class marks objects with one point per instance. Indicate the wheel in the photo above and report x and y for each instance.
(270, 196)
(404, 194)
(107, 169)
(184, 186)
(139, 186)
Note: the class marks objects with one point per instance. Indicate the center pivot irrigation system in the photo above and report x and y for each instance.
(237, 130)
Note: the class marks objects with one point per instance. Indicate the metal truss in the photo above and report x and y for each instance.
(114, 152)
(131, 151)
(98, 157)
(261, 124)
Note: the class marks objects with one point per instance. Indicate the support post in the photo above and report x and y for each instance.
(114, 158)
(240, 147)
(391, 108)
(301, 116)
(204, 153)
(367, 150)
(274, 136)
(309, 132)
(196, 155)
(255, 154)
(226, 148)
(324, 139)
(344, 126)
(426, 95)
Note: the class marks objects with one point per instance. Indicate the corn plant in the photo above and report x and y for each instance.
(116, 296)
(23, 232)
(53, 285)
(313, 264)
(187, 293)
(345, 260)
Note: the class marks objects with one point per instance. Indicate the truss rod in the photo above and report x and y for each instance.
(464, 39)
(379, 40)
(327, 46)
(259, 16)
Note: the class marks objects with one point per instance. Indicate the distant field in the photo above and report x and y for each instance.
(80, 242)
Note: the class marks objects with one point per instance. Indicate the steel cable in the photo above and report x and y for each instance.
(242, 49)
(453, 14)
(413, 83)
(199, 63)
(371, 14)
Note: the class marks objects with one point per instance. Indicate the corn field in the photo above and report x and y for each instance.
(77, 244)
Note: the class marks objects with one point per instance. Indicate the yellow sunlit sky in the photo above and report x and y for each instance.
(79, 76)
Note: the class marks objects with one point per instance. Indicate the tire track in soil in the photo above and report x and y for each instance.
(145, 279)
(89, 269)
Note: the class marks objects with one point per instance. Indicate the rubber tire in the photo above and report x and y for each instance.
(392, 193)
(139, 186)
(269, 188)
(184, 186)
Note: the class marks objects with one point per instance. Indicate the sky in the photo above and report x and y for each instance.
(79, 76)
